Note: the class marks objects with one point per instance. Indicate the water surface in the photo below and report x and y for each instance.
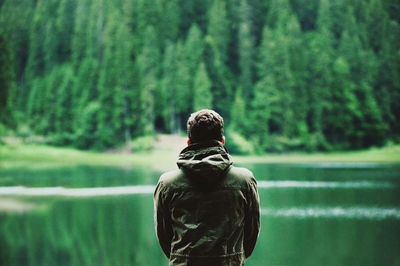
(312, 214)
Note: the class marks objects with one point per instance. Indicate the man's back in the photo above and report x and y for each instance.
(207, 212)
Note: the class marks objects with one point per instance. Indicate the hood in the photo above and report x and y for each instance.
(204, 162)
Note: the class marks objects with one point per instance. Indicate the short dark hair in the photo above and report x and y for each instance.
(205, 125)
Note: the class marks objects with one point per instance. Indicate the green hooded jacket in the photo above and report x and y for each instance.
(207, 212)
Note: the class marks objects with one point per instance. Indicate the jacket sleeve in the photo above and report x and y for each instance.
(162, 220)
(252, 219)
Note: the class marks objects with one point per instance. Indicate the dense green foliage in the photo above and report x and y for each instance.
(285, 74)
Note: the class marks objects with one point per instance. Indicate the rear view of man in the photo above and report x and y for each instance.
(207, 212)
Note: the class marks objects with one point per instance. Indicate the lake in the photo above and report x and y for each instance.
(312, 214)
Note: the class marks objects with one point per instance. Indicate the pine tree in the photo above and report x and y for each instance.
(319, 57)
(344, 108)
(218, 32)
(246, 50)
(95, 30)
(373, 129)
(79, 39)
(169, 26)
(189, 55)
(264, 112)
(266, 74)
(48, 101)
(217, 40)
(148, 63)
(184, 86)
(36, 60)
(50, 44)
(149, 15)
(202, 89)
(8, 86)
(297, 67)
(125, 78)
(84, 93)
(275, 62)
(367, 124)
(15, 22)
(387, 82)
(377, 20)
(114, 83)
(278, 11)
(193, 50)
(33, 104)
(168, 95)
(64, 28)
(64, 105)
(239, 119)
(86, 128)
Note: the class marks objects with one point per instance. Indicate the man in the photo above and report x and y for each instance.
(207, 212)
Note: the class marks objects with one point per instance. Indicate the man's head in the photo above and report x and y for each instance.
(205, 125)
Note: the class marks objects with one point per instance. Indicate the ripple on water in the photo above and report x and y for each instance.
(326, 184)
(355, 212)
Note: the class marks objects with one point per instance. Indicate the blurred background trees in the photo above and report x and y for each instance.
(285, 74)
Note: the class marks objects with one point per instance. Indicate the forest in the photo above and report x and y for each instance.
(312, 75)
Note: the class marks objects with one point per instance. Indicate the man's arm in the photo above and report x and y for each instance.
(162, 220)
(252, 219)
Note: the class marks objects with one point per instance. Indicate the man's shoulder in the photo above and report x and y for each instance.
(239, 176)
(171, 176)
(234, 176)
(240, 172)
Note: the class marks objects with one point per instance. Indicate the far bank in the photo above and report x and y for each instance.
(165, 151)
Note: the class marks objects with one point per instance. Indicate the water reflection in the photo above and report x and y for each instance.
(357, 212)
(326, 184)
(76, 192)
(86, 231)
(149, 189)
(311, 215)
(79, 176)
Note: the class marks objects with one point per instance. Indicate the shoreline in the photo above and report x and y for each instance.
(18, 155)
